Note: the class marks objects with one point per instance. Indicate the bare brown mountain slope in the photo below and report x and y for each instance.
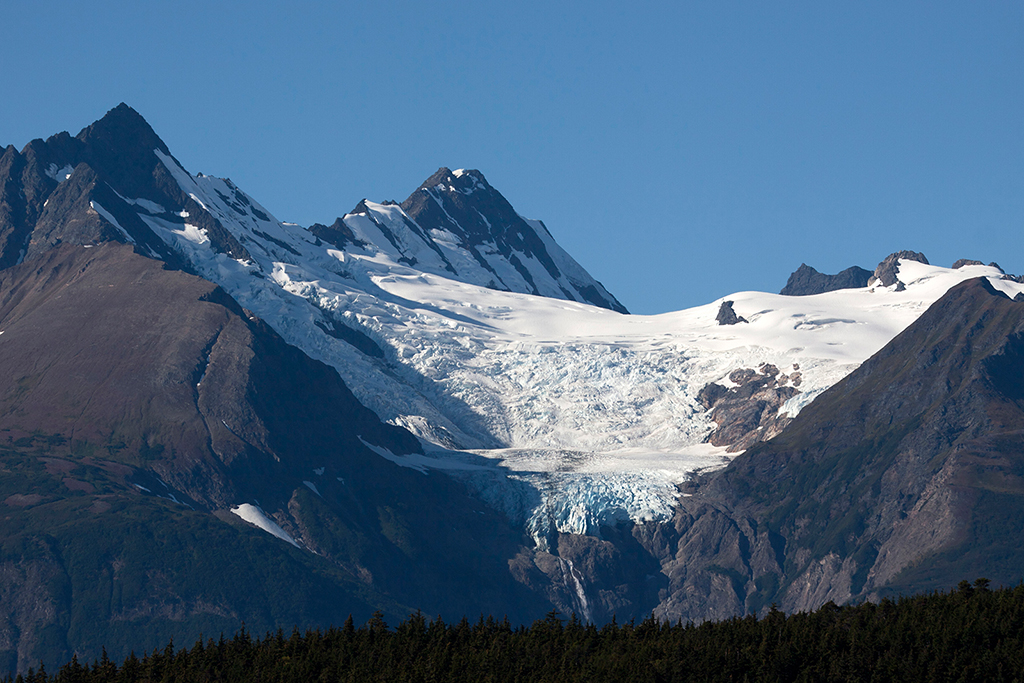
(907, 475)
(107, 348)
(139, 405)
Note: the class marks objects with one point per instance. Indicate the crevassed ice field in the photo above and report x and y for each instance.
(564, 415)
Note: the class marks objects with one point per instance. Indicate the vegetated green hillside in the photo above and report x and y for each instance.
(969, 634)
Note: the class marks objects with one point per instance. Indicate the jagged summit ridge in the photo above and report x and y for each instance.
(464, 180)
(122, 130)
(459, 210)
(886, 274)
(472, 232)
(111, 176)
(805, 280)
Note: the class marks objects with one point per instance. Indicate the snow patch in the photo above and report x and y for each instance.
(400, 460)
(193, 234)
(255, 516)
(793, 406)
(110, 219)
(148, 205)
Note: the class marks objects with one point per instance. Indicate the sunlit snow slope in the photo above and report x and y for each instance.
(564, 414)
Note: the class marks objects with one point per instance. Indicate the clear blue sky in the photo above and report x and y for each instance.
(680, 151)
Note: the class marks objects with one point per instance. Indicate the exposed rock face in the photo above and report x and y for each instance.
(885, 274)
(157, 359)
(463, 204)
(806, 280)
(727, 316)
(749, 412)
(597, 578)
(61, 191)
(960, 263)
(902, 477)
(338, 234)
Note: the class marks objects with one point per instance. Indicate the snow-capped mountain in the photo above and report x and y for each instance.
(555, 435)
(598, 411)
(455, 318)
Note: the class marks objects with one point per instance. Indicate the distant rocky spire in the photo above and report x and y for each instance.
(727, 316)
(886, 272)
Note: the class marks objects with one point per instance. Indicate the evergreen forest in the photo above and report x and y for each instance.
(972, 633)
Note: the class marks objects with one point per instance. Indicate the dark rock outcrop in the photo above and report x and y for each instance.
(886, 272)
(337, 234)
(727, 316)
(805, 280)
(960, 263)
(597, 579)
(749, 412)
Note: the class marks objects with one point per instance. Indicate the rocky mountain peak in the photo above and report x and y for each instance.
(120, 147)
(805, 280)
(360, 208)
(467, 190)
(727, 315)
(460, 178)
(462, 203)
(125, 162)
(886, 272)
(121, 129)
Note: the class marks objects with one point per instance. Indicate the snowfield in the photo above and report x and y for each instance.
(255, 516)
(564, 415)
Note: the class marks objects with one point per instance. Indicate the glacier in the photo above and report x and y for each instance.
(564, 415)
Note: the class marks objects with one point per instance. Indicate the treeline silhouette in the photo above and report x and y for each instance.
(969, 634)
